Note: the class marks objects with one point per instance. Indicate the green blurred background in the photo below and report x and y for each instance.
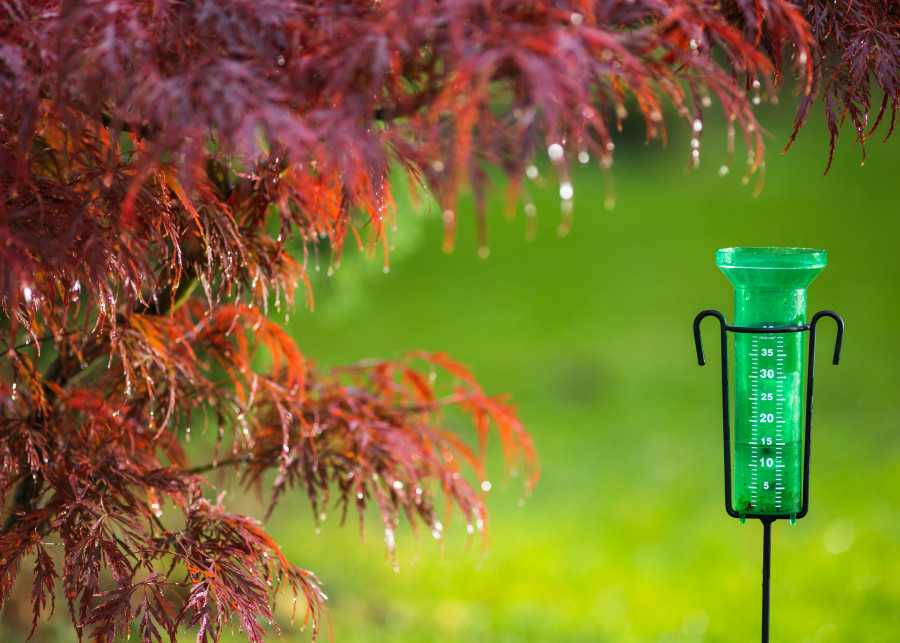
(625, 538)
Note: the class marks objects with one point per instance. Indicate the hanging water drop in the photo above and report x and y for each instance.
(566, 191)
(555, 152)
(531, 172)
(583, 157)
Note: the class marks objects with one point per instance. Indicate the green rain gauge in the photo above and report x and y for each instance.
(767, 455)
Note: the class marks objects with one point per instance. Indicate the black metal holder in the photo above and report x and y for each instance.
(767, 519)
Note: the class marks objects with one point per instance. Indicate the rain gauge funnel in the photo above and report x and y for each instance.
(767, 455)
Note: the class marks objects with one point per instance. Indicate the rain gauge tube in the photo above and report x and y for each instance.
(769, 293)
(768, 458)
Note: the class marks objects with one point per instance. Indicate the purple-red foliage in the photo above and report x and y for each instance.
(160, 158)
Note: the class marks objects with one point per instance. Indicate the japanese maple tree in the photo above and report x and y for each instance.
(167, 167)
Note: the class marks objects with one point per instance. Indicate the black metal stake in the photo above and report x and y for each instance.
(766, 575)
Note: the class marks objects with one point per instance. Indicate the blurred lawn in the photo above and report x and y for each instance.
(625, 538)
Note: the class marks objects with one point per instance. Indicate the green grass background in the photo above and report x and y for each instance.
(625, 538)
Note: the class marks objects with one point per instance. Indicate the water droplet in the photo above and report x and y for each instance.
(802, 58)
(583, 157)
(187, 434)
(484, 252)
(693, 44)
(26, 291)
(756, 100)
(756, 84)
(531, 172)
(723, 170)
(530, 210)
(555, 152)
(359, 496)
(698, 125)
(438, 166)
(418, 491)
(566, 191)
(448, 216)
(470, 529)
(386, 269)
(389, 539)
(486, 485)
(397, 485)
(695, 143)
(576, 19)
(156, 509)
(281, 61)
(436, 530)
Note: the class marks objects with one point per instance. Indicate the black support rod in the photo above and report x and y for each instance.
(766, 574)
